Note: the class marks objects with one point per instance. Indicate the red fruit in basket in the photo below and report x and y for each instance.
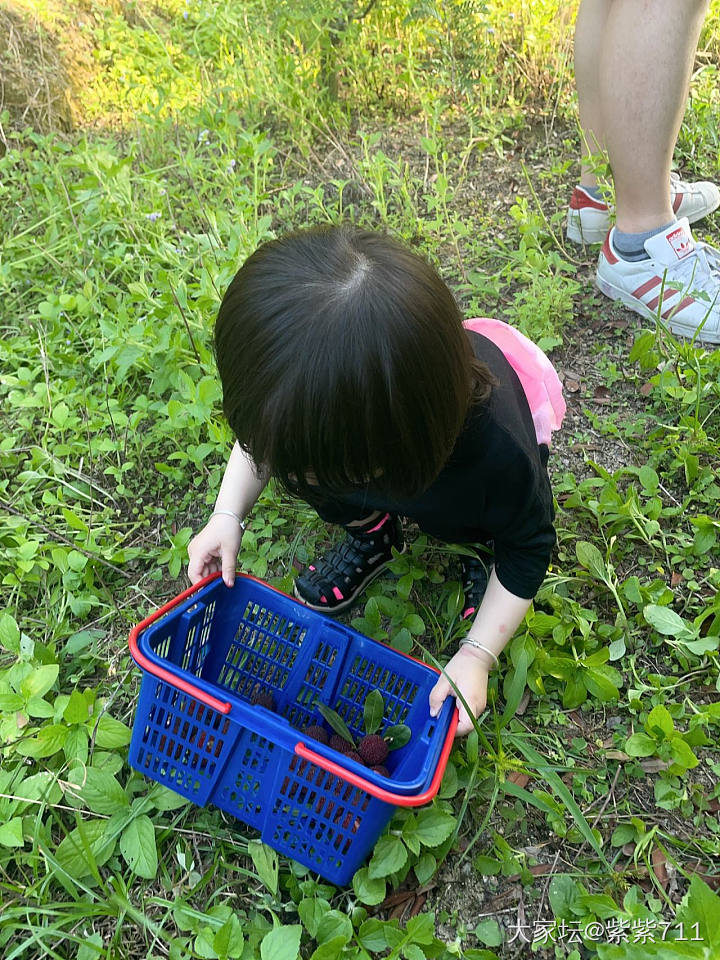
(354, 755)
(340, 743)
(262, 698)
(383, 771)
(373, 749)
(317, 733)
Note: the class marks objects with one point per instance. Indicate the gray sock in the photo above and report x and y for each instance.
(631, 246)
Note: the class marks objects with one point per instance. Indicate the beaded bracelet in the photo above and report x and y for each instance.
(480, 646)
(229, 513)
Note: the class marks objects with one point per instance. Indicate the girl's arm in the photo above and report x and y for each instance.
(216, 546)
(499, 616)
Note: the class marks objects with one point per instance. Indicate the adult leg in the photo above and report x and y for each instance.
(645, 65)
(633, 60)
(590, 27)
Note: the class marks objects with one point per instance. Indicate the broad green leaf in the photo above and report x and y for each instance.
(329, 949)
(562, 893)
(682, 754)
(137, 845)
(41, 786)
(648, 478)
(397, 736)
(409, 834)
(333, 718)
(373, 711)
(389, 856)
(332, 925)
(48, 741)
(265, 861)
(414, 624)
(377, 935)
(600, 684)
(37, 683)
(368, 890)
(9, 633)
(85, 841)
(91, 949)
(700, 905)
(11, 702)
(434, 826)
(110, 733)
(163, 798)
(425, 867)
(99, 790)
(311, 911)
(421, 928)
(11, 833)
(77, 710)
(640, 745)
(590, 557)
(229, 940)
(282, 943)
(77, 744)
(667, 622)
(488, 932)
(660, 719)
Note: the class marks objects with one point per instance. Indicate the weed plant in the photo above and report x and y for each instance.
(581, 814)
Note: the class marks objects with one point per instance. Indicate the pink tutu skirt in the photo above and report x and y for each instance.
(537, 375)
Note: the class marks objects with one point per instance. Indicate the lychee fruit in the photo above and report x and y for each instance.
(354, 755)
(317, 732)
(340, 743)
(373, 749)
(383, 771)
(262, 698)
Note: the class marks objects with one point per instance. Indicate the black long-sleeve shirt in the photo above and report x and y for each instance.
(493, 487)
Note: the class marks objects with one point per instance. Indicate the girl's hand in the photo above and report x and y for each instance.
(468, 670)
(215, 548)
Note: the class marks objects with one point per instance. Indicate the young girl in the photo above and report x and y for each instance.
(348, 375)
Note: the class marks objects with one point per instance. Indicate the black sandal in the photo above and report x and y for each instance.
(333, 583)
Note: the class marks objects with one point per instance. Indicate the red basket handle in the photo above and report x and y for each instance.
(398, 799)
(222, 706)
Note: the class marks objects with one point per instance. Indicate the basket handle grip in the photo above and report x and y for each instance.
(397, 799)
(222, 706)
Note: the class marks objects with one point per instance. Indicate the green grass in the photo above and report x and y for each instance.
(590, 787)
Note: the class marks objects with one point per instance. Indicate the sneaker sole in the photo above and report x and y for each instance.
(345, 604)
(632, 303)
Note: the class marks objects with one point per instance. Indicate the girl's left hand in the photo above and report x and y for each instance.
(468, 670)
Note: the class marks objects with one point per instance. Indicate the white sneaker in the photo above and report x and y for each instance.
(588, 219)
(679, 284)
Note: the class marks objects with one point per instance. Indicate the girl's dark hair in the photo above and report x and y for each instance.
(343, 359)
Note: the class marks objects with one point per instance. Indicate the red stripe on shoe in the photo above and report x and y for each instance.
(681, 306)
(646, 287)
(677, 200)
(583, 201)
(607, 252)
(338, 593)
(668, 293)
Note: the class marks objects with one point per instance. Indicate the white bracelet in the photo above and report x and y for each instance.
(480, 646)
(229, 513)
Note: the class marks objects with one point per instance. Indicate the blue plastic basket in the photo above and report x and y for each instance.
(205, 654)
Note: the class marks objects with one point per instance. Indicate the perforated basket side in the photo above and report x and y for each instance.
(322, 821)
(179, 741)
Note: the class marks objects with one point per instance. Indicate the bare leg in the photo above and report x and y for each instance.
(590, 28)
(643, 51)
